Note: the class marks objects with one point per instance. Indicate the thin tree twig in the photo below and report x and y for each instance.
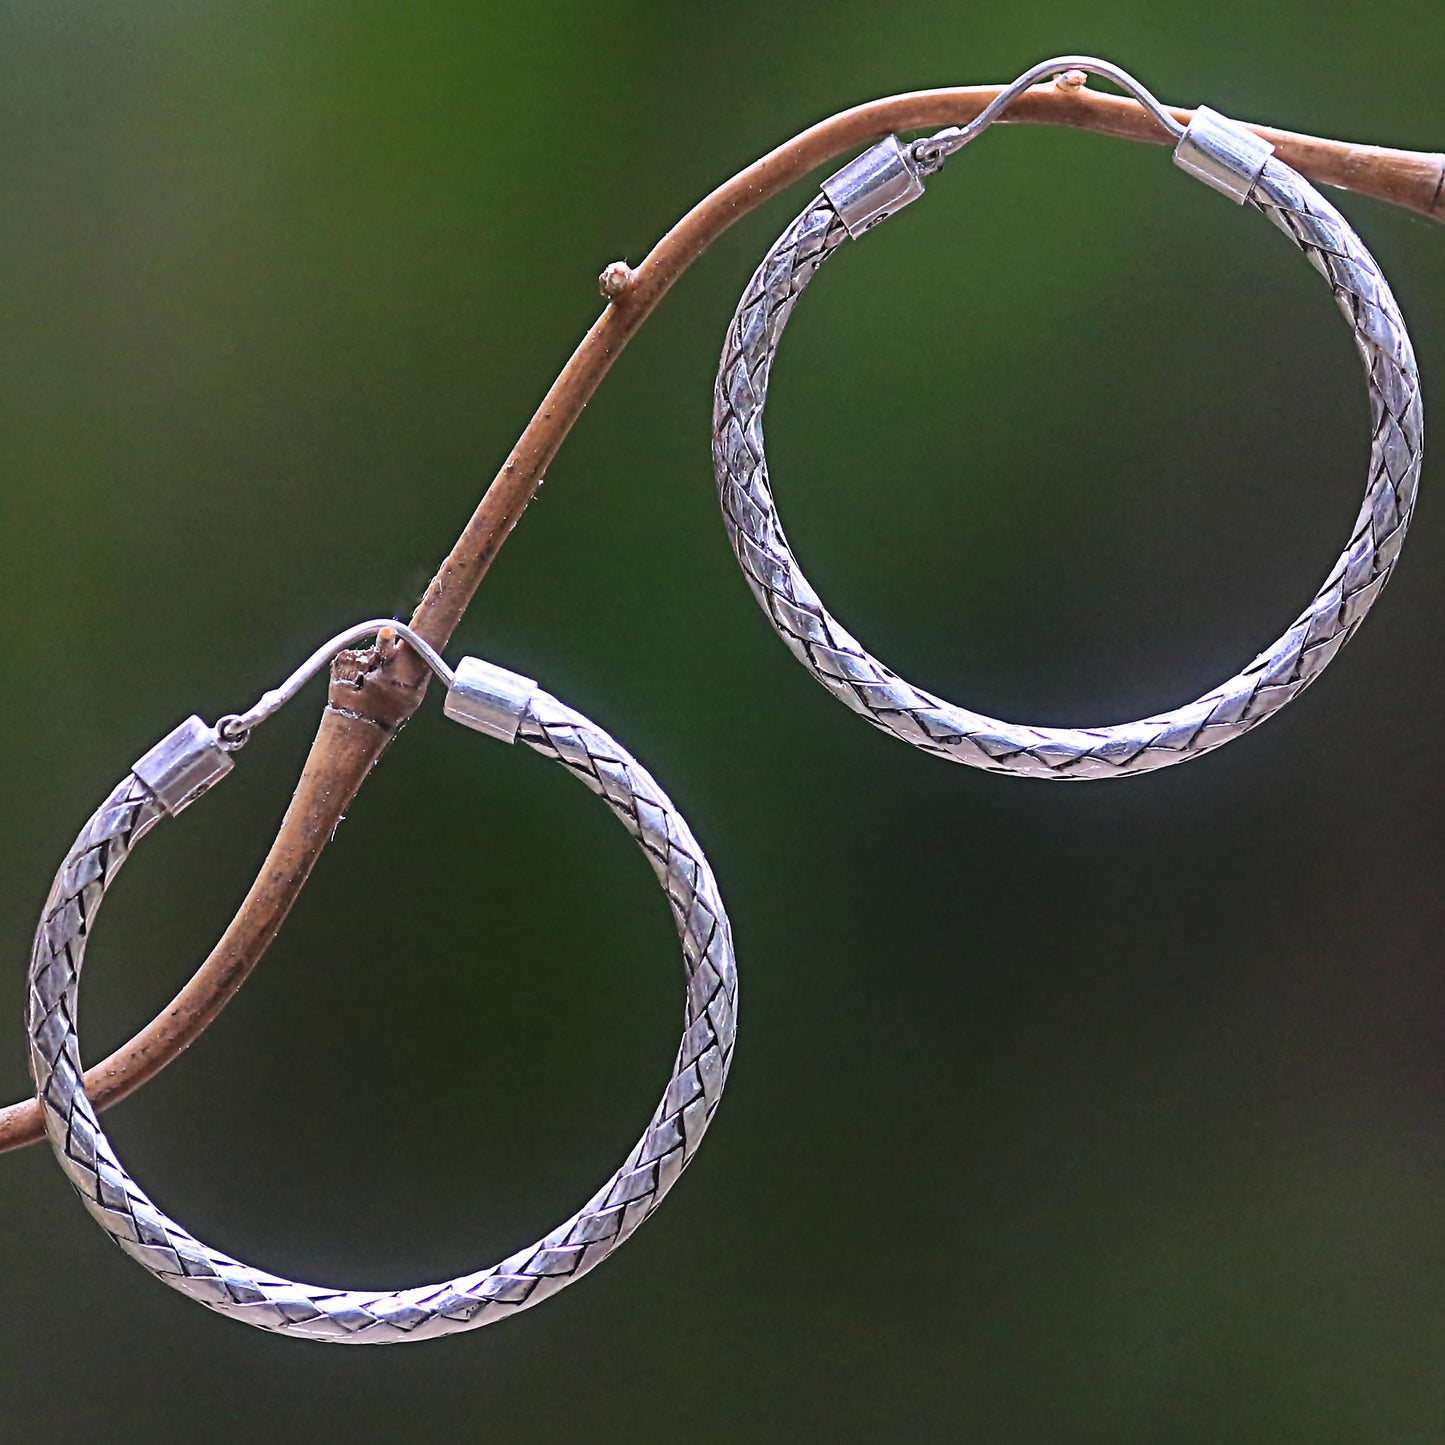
(373, 692)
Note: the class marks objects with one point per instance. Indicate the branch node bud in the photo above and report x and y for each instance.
(1071, 80)
(616, 280)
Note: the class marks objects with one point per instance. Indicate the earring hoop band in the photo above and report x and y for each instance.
(178, 770)
(1230, 158)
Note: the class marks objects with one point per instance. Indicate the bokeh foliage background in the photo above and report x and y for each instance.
(1060, 1114)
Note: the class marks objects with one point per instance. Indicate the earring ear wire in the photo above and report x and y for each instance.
(193, 757)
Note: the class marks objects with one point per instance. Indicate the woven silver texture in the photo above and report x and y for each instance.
(224, 1284)
(842, 664)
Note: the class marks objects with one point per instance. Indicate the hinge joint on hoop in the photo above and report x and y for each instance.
(1222, 153)
(185, 763)
(872, 186)
(488, 698)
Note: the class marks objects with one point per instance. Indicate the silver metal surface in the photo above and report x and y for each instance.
(932, 151)
(873, 186)
(1222, 153)
(846, 668)
(489, 698)
(371, 1316)
(185, 762)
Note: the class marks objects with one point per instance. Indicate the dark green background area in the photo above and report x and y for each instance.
(1107, 1113)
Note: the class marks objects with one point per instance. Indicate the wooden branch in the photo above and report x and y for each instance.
(373, 692)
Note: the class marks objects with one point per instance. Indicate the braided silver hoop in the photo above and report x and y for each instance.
(177, 771)
(1230, 158)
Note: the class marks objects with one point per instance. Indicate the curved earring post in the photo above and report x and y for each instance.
(931, 152)
(235, 728)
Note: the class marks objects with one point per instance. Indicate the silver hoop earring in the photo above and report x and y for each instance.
(176, 772)
(1230, 158)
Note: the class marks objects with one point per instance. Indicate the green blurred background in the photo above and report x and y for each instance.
(1085, 1114)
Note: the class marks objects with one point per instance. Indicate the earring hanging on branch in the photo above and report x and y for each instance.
(374, 692)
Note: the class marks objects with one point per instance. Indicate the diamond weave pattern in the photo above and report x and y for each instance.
(845, 667)
(269, 1302)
